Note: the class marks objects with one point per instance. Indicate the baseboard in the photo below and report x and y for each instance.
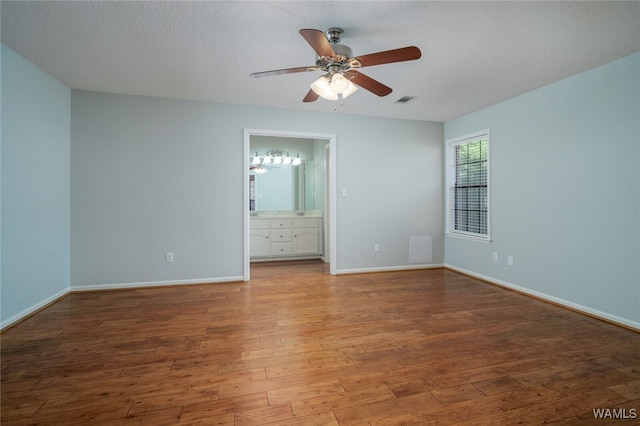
(604, 316)
(26, 313)
(123, 286)
(389, 268)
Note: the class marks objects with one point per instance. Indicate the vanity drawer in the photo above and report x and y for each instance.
(281, 223)
(278, 235)
(280, 249)
(260, 224)
(305, 223)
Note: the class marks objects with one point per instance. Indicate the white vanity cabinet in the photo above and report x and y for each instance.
(283, 238)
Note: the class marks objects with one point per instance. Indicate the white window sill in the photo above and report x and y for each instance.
(483, 240)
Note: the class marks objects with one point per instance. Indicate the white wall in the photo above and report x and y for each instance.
(35, 188)
(155, 175)
(565, 192)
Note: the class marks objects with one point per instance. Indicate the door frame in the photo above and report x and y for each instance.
(330, 170)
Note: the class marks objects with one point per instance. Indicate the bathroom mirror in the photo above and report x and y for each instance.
(285, 187)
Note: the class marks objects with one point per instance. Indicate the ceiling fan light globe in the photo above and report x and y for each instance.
(339, 84)
(322, 87)
(351, 88)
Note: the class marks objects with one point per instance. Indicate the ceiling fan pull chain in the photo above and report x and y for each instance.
(339, 102)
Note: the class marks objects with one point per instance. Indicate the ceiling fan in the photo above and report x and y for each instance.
(341, 67)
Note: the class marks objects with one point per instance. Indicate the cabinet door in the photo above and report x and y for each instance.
(305, 241)
(259, 243)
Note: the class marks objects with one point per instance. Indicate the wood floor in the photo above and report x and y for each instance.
(296, 346)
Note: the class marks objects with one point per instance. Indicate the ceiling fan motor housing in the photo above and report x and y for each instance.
(343, 59)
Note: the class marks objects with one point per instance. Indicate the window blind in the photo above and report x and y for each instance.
(469, 186)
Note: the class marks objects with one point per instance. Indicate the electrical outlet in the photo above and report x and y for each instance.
(376, 248)
(510, 260)
(495, 257)
(169, 258)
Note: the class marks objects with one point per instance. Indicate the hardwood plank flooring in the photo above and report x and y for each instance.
(296, 346)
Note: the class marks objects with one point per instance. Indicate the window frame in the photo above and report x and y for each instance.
(450, 170)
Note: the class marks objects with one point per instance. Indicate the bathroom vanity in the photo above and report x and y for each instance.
(285, 235)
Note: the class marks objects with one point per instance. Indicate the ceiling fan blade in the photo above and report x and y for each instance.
(284, 71)
(368, 83)
(311, 96)
(389, 56)
(318, 42)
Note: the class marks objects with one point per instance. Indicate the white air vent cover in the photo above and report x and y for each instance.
(420, 249)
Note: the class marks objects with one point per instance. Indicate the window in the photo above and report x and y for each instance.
(468, 186)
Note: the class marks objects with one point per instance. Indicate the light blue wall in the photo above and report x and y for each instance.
(156, 175)
(35, 187)
(565, 195)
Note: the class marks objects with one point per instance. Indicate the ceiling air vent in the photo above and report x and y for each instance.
(404, 100)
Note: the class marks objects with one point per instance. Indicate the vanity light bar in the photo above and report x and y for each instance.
(276, 157)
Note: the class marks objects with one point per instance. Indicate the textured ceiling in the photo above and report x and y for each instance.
(474, 54)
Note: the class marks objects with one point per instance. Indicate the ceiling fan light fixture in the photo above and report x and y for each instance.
(323, 88)
(330, 86)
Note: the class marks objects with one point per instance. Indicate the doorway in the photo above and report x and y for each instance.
(330, 211)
